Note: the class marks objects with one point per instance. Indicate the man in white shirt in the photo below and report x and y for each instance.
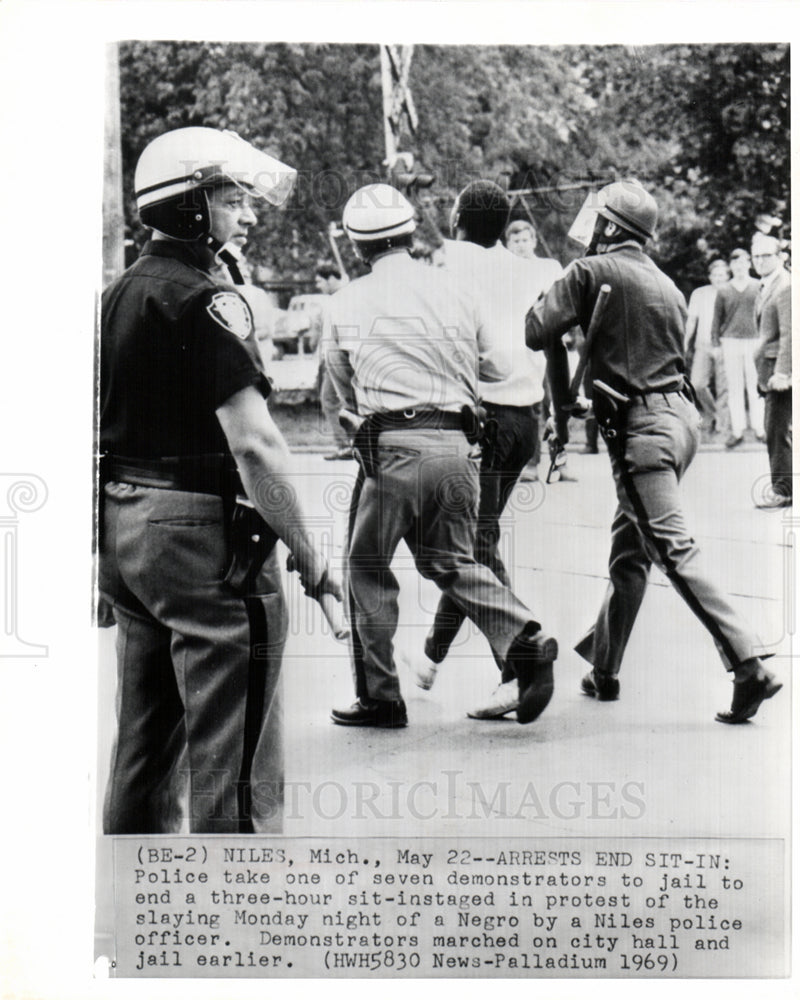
(707, 358)
(522, 240)
(508, 285)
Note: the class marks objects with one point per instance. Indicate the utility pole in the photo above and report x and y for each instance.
(113, 216)
(397, 101)
(398, 109)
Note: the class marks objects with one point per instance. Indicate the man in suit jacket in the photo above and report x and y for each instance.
(773, 358)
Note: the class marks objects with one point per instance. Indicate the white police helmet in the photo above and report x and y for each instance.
(377, 212)
(176, 168)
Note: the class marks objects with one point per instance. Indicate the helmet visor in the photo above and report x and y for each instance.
(582, 227)
(260, 174)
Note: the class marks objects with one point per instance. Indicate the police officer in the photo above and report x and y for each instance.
(403, 352)
(190, 459)
(651, 427)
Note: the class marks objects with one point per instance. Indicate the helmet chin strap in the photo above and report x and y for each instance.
(606, 234)
(228, 254)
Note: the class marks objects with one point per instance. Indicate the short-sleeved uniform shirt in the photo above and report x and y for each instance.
(406, 336)
(638, 346)
(174, 347)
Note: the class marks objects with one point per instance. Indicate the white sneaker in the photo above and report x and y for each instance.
(504, 699)
(426, 674)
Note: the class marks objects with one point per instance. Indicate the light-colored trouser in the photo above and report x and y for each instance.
(740, 371)
(198, 670)
(708, 362)
(426, 494)
(649, 527)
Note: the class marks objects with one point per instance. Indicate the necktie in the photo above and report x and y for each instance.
(760, 300)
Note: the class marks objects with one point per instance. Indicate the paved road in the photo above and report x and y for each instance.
(655, 763)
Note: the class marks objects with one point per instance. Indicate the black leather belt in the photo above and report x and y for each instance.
(494, 407)
(213, 474)
(366, 437)
(680, 390)
(397, 420)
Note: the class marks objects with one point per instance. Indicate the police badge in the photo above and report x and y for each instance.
(231, 312)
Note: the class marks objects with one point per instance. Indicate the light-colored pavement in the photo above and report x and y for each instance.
(653, 764)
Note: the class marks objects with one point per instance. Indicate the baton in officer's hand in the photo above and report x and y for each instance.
(328, 594)
(332, 609)
(597, 315)
(558, 455)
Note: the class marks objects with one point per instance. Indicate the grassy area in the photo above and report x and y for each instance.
(303, 425)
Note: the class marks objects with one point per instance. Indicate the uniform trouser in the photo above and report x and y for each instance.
(708, 362)
(740, 371)
(649, 527)
(508, 448)
(778, 429)
(198, 670)
(426, 494)
(331, 405)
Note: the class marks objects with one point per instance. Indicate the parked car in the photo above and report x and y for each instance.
(298, 329)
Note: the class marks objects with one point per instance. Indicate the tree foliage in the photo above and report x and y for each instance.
(704, 126)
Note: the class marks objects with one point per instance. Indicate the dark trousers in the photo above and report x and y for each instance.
(649, 527)
(778, 430)
(512, 438)
(198, 670)
(331, 405)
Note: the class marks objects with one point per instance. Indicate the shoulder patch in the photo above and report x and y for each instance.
(232, 313)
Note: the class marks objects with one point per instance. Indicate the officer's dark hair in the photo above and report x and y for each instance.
(373, 248)
(327, 270)
(482, 211)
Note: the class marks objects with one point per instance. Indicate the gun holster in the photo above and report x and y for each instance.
(476, 426)
(250, 542)
(365, 445)
(610, 410)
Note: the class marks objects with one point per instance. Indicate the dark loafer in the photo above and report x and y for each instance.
(600, 687)
(383, 714)
(531, 658)
(747, 697)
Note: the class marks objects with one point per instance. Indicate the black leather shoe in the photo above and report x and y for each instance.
(600, 687)
(384, 714)
(531, 658)
(747, 697)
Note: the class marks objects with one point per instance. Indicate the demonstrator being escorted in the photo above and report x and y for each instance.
(508, 286)
(651, 427)
(403, 352)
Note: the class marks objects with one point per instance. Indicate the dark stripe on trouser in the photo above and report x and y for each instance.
(356, 649)
(671, 570)
(254, 710)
